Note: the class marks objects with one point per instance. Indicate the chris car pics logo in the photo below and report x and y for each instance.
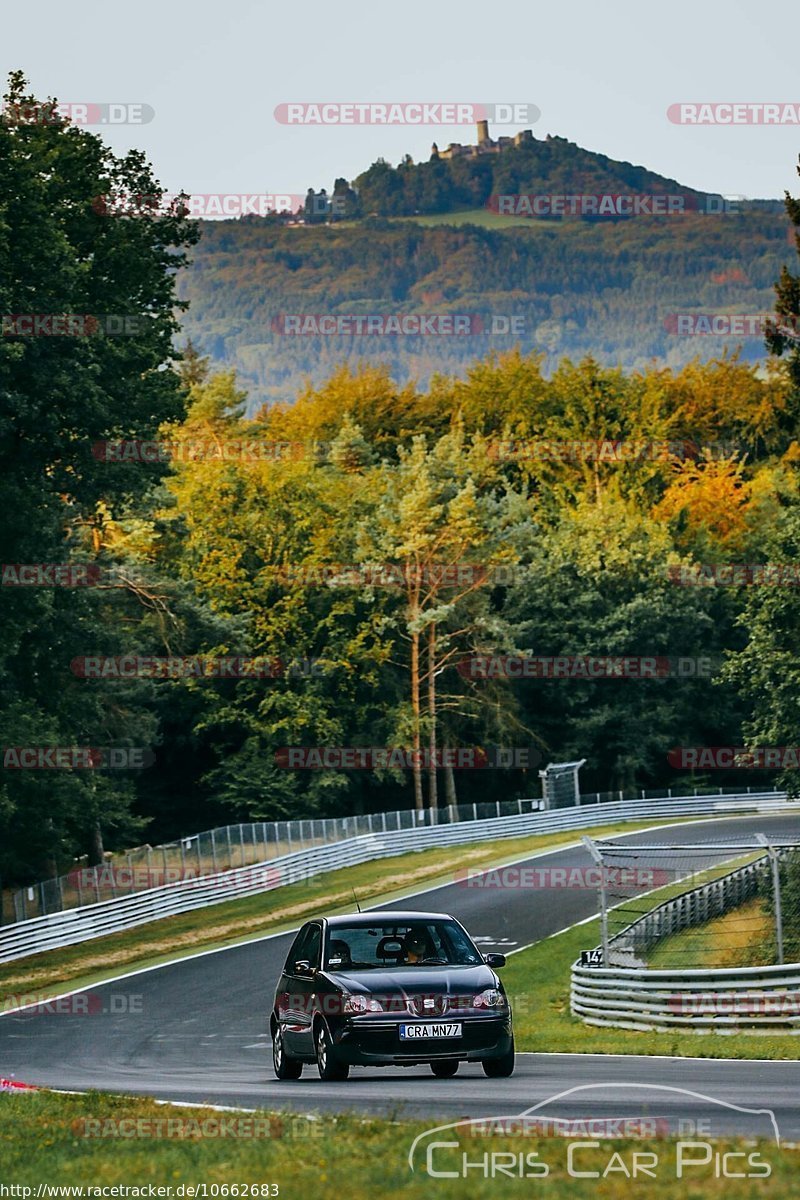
(655, 1131)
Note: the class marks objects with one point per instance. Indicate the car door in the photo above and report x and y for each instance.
(295, 1000)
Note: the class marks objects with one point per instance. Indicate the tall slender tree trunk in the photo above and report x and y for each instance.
(433, 798)
(96, 849)
(450, 786)
(415, 709)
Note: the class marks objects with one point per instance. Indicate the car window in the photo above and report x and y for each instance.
(399, 944)
(305, 946)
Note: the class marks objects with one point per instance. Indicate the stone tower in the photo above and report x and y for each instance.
(483, 132)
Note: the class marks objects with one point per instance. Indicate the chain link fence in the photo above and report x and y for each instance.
(245, 844)
(718, 904)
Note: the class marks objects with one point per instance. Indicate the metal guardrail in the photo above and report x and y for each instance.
(227, 847)
(115, 916)
(201, 855)
(757, 999)
(699, 1000)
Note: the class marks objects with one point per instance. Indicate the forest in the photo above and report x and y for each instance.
(357, 547)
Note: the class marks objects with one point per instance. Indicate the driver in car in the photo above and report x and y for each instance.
(416, 946)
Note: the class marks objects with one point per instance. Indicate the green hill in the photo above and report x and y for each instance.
(564, 286)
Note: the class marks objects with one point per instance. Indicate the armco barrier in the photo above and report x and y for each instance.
(752, 999)
(114, 916)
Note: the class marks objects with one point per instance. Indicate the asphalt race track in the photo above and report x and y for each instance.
(196, 1030)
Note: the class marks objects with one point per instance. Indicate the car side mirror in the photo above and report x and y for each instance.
(495, 960)
(303, 967)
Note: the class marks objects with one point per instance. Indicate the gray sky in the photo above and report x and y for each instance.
(602, 75)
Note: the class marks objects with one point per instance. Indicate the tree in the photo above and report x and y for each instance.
(783, 334)
(63, 254)
(444, 530)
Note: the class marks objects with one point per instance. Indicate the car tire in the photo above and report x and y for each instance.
(445, 1069)
(331, 1070)
(500, 1068)
(283, 1066)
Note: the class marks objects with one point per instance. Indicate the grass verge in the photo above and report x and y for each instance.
(741, 938)
(538, 982)
(43, 1140)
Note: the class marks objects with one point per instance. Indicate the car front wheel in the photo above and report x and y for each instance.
(500, 1068)
(284, 1067)
(329, 1067)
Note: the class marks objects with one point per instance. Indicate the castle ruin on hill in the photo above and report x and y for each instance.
(484, 145)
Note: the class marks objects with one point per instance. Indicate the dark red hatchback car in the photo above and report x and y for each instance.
(389, 989)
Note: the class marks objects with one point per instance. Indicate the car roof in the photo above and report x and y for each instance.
(387, 916)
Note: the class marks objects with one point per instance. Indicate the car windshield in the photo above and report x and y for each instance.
(402, 944)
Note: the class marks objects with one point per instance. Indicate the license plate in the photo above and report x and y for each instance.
(409, 1033)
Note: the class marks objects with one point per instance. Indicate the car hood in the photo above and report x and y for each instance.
(411, 981)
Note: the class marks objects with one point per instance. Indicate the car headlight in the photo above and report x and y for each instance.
(361, 1004)
(490, 998)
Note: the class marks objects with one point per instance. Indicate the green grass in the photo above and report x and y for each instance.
(483, 217)
(271, 911)
(43, 1140)
(538, 983)
(741, 938)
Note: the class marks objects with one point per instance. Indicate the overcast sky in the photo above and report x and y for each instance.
(603, 75)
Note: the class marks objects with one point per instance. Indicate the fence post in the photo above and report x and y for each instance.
(213, 850)
(601, 887)
(776, 891)
(230, 847)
